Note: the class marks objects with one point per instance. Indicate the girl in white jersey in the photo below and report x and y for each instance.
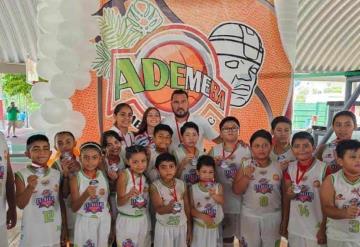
(228, 156)
(133, 221)
(68, 166)
(343, 124)
(171, 204)
(306, 224)
(37, 193)
(187, 153)
(281, 151)
(206, 199)
(340, 197)
(90, 195)
(7, 193)
(259, 182)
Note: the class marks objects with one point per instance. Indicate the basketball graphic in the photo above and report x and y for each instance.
(180, 53)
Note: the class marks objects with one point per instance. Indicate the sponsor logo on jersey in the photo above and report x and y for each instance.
(339, 197)
(316, 184)
(128, 243)
(276, 177)
(230, 171)
(46, 200)
(94, 205)
(263, 186)
(210, 210)
(89, 243)
(45, 182)
(191, 177)
(305, 195)
(356, 191)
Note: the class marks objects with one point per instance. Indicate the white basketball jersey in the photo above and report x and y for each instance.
(226, 175)
(305, 208)
(263, 194)
(329, 157)
(188, 175)
(135, 207)
(286, 156)
(98, 205)
(206, 204)
(41, 220)
(151, 172)
(346, 194)
(167, 195)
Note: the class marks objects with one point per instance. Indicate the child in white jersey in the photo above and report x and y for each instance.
(7, 193)
(68, 166)
(228, 156)
(306, 224)
(112, 165)
(162, 140)
(170, 200)
(90, 195)
(206, 199)
(259, 183)
(281, 151)
(343, 124)
(133, 221)
(340, 197)
(37, 193)
(123, 115)
(187, 153)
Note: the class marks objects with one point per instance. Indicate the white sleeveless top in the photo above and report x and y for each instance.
(3, 178)
(346, 194)
(305, 208)
(179, 218)
(132, 206)
(206, 205)
(286, 156)
(97, 206)
(188, 175)
(151, 172)
(41, 220)
(225, 176)
(263, 194)
(329, 157)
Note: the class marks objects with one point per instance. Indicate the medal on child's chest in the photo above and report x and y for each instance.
(139, 199)
(223, 163)
(177, 207)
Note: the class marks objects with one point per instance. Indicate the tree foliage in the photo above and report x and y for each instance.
(15, 84)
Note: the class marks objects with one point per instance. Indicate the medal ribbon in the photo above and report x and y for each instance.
(232, 152)
(133, 180)
(299, 178)
(173, 193)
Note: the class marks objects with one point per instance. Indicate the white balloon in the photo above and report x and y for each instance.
(62, 86)
(82, 80)
(70, 34)
(37, 122)
(67, 60)
(40, 92)
(48, 19)
(54, 111)
(46, 68)
(48, 45)
(68, 104)
(76, 118)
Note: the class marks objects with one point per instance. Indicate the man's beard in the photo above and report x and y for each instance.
(181, 115)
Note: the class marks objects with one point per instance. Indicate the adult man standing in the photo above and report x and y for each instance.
(12, 112)
(180, 108)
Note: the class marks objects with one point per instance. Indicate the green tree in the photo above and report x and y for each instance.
(15, 84)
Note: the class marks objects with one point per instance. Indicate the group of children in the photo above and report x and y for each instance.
(144, 194)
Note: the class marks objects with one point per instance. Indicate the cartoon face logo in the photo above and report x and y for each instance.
(89, 243)
(339, 197)
(240, 52)
(276, 177)
(316, 184)
(128, 243)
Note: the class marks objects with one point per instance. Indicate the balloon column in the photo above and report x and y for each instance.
(65, 53)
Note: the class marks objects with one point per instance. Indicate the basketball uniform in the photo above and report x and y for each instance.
(305, 209)
(92, 224)
(133, 221)
(203, 234)
(144, 140)
(170, 229)
(151, 172)
(329, 157)
(225, 175)
(286, 156)
(3, 178)
(41, 219)
(188, 175)
(344, 232)
(261, 207)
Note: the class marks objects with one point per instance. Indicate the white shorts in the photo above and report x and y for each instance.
(3, 236)
(231, 226)
(258, 231)
(202, 236)
(298, 241)
(89, 230)
(170, 236)
(337, 243)
(133, 230)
